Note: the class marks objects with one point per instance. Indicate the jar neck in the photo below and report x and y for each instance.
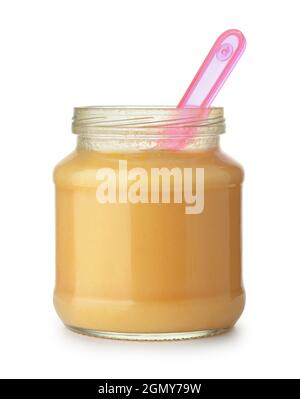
(124, 129)
(98, 144)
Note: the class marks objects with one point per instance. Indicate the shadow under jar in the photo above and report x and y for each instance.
(148, 225)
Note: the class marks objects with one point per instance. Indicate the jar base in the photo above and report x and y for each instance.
(170, 336)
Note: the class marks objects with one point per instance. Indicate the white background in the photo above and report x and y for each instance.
(58, 54)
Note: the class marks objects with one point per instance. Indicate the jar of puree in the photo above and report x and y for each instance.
(148, 225)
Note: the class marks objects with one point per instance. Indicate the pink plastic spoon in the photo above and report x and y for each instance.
(215, 69)
(209, 79)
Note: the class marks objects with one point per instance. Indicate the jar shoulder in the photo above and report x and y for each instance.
(232, 164)
(64, 166)
(222, 170)
(79, 167)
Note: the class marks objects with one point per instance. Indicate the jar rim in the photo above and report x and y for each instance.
(138, 107)
(97, 119)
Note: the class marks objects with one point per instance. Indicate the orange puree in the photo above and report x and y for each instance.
(148, 267)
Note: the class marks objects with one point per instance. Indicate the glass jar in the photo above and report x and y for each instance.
(148, 225)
